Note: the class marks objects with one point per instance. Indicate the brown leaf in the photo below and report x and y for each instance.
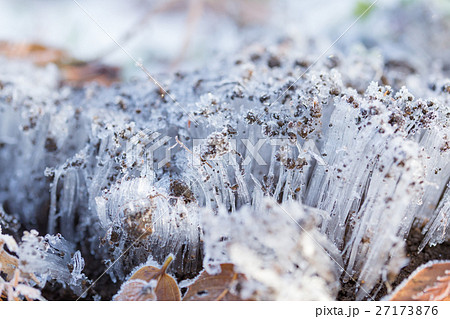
(439, 291)
(78, 74)
(18, 288)
(9, 265)
(430, 282)
(150, 283)
(74, 72)
(34, 52)
(8, 262)
(215, 287)
(136, 290)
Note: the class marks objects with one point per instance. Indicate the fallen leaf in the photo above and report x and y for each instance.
(34, 52)
(78, 74)
(136, 290)
(8, 262)
(430, 282)
(215, 287)
(150, 283)
(18, 288)
(74, 72)
(439, 291)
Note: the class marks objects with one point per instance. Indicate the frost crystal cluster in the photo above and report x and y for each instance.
(276, 267)
(300, 182)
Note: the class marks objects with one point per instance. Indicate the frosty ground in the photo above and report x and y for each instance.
(317, 179)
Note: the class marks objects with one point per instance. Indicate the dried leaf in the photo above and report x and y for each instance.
(18, 288)
(74, 72)
(78, 74)
(440, 291)
(150, 283)
(215, 287)
(8, 262)
(430, 282)
(137, 290)
(34, 52)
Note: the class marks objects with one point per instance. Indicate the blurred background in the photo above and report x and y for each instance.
(169, 35)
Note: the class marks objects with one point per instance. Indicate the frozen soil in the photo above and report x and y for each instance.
(438, 252)
(106, 288)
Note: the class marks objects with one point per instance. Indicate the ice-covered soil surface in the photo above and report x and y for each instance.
(303, 183)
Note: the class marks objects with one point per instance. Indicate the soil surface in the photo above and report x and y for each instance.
(105, 288)
(438, 252)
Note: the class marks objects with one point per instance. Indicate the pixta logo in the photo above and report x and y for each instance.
(156, 150)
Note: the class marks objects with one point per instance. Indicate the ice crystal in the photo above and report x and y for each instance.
(299, 265)
(36, 260)
(50, 258)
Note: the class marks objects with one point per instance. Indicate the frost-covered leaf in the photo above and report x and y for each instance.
(8, 262)
(430, 282)
(217, 287)
(150, 283)
(439, 291)
(18, 288)
(29, 292)
(137, 290)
